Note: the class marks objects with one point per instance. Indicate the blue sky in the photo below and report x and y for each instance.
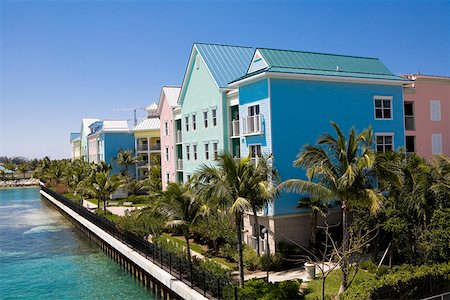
(64, 60)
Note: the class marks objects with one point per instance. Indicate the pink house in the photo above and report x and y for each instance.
(169, 110)
(427, 115)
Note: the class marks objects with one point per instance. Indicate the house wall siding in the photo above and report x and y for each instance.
(166, 115)
(113, 142)
(302, 111)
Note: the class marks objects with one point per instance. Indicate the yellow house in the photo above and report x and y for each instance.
(147, 142)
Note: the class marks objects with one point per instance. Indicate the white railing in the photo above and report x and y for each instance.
(251, 124)
(142, 147)
(179, 164)
(179, 139)
(155, 147)
(235, 128)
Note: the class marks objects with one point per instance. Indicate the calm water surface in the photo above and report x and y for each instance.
(43, 256)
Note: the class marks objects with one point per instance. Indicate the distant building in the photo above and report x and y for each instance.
(106, 139)
(169, 113)
(75, 143)
(427, 115)
(84, 132)
(147, 142)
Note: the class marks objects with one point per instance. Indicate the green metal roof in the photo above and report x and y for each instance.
(311, 63)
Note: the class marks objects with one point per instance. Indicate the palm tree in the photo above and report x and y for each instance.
(125, 158)
(441, 165)
(231, 185)
(23, 169)
(104, 186)
(339, 169)
(182, 209)
(317, 208)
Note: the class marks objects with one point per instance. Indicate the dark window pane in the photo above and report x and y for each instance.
(410, 144)
(388, 139)
(379, 139)
(377, 103)
(386, 103)
(409, 109)
(378, 113)
(387, 113)
(379, 148)
(388, 148)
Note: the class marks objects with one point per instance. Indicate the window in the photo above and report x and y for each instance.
(186, 119)
(214, 116)
(194, 151)
(409, 116)
(385, 143)
(435, 108)
(205, 119)
(166, 128)
(194, 122)
(188, 153)
(206, 151)
(188, 177)
(167, 177)
(255, 150)
(383, 108)
(216, 149)
(167, 154)
(253, 110)
(436, 143)
(410, 144)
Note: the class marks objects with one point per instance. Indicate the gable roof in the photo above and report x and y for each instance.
(74, 136)
(312, 63)
(148, 124)
(225, 63)
(171, 95)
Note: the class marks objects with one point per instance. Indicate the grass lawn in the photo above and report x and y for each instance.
(181, 242)
(332, 284)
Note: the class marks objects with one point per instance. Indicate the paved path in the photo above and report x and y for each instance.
(121, 210)
(89, 205)
(296, 273)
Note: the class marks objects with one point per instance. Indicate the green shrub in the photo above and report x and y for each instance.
(138, 199)
(369, 266)
(260, 289)
(251, 259)
(404, 282)
(275, 262)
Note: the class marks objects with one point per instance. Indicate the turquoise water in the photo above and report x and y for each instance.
(43, 256)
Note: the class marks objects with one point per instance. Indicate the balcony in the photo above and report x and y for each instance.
(252, 125)
(179, 139)
(146, 147)
(179, 164)
(142, 163)
(409, 123)
(235, 128)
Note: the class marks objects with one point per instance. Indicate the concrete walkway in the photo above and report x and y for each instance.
(296, 273)
(89, 205)
(120, 210)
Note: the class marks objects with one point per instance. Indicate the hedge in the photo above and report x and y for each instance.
(405, 282)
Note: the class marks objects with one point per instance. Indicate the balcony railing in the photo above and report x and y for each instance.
(179, 139)
(143, 163)
(142, 147)
(151, 147)
(179, 164)
(155, 147)
(235, 128)
(409, 123)
(252, 124)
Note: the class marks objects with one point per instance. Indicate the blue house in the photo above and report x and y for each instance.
(288, 98)
(105, 140)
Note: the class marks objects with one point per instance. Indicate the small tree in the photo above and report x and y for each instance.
(104, 186)
(125, 158)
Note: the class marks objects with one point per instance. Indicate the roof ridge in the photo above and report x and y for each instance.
(328, 70)
(171, 86)
(224, 45)
(312, 52)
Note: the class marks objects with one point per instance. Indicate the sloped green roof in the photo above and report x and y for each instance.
(311, 63)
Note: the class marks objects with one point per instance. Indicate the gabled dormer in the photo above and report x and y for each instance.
(258, 63)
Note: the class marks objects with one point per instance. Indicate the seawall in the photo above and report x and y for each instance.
(151, 275)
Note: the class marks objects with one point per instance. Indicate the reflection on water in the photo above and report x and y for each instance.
(42, 256)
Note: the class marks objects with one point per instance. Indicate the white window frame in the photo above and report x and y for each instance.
(206, 148)
(254, 145)
(166, 128)
(436, 149)
(382, 98)
(167, 156)
(437, 115)
(205, 119)
(194, 122)
(384, 134)
(188, 152)
(167, 177)
(214, 116)
(186, 123)
(194, 152)
(254, 106)
(215, 149)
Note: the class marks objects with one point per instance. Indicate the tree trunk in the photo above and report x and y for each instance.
(104, 205)
(345, 260)
(257, 229)
(323, 286)
(188, 248)
(238, 218)
(313, 237)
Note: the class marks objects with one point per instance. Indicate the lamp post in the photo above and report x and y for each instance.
(266, 232)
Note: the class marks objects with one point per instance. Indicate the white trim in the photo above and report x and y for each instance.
(254, 58)
(390, 98)
(280, 75)
(392, 134)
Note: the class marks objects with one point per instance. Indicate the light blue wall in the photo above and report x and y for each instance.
(302, 111)
(113, 142)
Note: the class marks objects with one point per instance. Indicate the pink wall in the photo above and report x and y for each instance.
(428, 88)
(166, 115)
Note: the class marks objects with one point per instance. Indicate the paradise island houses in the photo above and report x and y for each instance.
(288, 98)
(170, 133)
(147, 142)
(207, 104)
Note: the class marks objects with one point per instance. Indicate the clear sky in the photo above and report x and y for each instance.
(64, 60)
